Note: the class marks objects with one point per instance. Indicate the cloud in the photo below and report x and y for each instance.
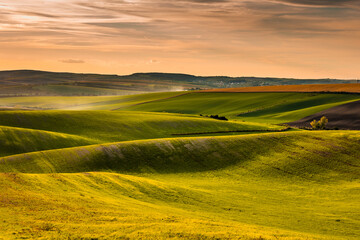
(200, 31)
(329, 3)
(153, 61)
(37, 14)
(206, 1)
(76, 61)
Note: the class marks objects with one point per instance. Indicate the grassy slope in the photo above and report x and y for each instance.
(68, 90)
(253, 107)
(51, 102)
(83, 103)
(262, 107)
(296, 110)
(40, 130)
(297, 184)
(173, 155)
(19, 140)
(109, 206)
(125, 101)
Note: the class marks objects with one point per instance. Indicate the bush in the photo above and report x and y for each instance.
(321, 124)
(215, 117)
(219, 117)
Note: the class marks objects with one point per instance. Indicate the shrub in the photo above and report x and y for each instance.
(215, 117)
(219, 117)
(323, 121)
(314, 124)
(321, 124)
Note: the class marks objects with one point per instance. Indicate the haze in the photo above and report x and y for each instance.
(279, 38)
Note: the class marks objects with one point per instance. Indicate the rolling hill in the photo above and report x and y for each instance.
(148, 166)
(173, 155)
(252, 107)
(20, 140)
(81, 102)
(299, 185)
(31, 82)
(111, 126)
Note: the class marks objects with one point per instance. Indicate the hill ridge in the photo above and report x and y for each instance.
(307, 155)
(35, 82)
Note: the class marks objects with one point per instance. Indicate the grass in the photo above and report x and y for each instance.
(19, 140)
(113, 126)
(270, 108)
(108, 205)
(82, 102)
(51, 102)
(173, 155)
(125, 101)
(299, 185)
(254, 107)
(29, 131)
(68, 90)
(100, 174)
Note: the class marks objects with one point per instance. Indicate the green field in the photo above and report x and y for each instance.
(255, 107)
(252, 107)
(71, 90)
(20, 140)
(116, 168)
(114, 126)
(82, 103)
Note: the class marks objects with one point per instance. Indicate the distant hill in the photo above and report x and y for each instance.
(333, 88)
(31, 82)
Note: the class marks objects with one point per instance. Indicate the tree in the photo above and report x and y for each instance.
(321, 124)
(314, 124)
(323, 121)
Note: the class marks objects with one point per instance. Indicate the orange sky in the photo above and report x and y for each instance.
(280, 38)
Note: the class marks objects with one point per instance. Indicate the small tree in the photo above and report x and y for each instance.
(323, 121)
(321, 124)
(314, 124)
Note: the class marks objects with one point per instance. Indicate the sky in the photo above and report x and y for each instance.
(266, 38)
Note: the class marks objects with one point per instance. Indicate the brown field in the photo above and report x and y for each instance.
(346, 116)
(343, 87)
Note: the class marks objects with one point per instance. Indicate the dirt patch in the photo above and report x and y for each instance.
(346, 116)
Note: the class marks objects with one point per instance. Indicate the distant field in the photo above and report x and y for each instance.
(71, 90)
(34, 83)
(250, 107)
(82, 102)
(253, 107)
(347, 87)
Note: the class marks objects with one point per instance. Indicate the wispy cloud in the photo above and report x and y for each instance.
(181, 33)
(330, 3)
(72, 61)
